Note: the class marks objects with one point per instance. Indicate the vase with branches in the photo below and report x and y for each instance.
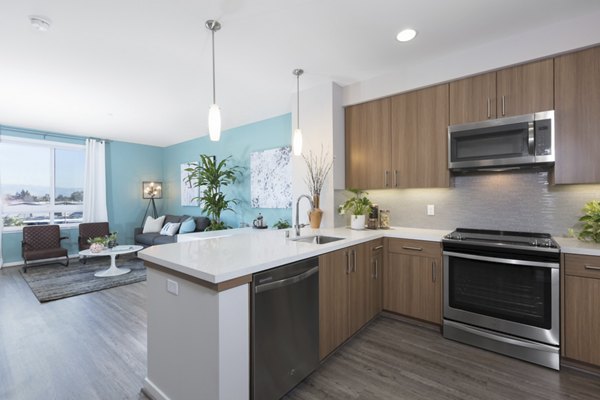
(318, 168)
(211, 177)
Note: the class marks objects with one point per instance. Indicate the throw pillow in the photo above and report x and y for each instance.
(187, 226)
(153, 225)
(170, 228)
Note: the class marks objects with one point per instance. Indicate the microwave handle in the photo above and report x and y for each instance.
(531, 138)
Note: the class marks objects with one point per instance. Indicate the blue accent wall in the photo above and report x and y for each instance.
(128, 165)
(237, 143)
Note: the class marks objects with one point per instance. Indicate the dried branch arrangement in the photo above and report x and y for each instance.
(318, 169)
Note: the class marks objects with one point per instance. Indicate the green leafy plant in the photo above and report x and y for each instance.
(211, 177)
(282, 224)
(356, 205)
(591, 222)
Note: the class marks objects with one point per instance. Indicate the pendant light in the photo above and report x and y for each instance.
(297, 136)
(214, 113)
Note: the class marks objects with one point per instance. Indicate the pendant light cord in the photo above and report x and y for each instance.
(298, 100)
(213, 66)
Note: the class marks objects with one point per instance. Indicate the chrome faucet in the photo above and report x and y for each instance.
(298, 226)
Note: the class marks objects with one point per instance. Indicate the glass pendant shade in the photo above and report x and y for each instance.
(214, 123)
(297, 142)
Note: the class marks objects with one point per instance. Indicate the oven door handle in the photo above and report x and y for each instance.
(503, 260)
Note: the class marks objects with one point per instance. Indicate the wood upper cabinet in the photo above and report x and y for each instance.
(577, 117)
(368, 154)
(420, 138)
(517, 90)
(413, 280)
(344, 295)
(581, 317)
(525, 89)
(473, 99)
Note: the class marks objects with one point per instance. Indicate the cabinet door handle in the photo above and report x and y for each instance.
(396, 178)
(412, 248)
(489, 108)
(433, 272)
(377, 247)
(376, 269)
(353, 260)
(592, 267)
(347, 262)
(503, 107)
(385, 178)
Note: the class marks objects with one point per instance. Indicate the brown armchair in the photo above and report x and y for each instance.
(89, 230)
(42, 242)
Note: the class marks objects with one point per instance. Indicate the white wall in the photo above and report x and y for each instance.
(539, 43)
(322, 124)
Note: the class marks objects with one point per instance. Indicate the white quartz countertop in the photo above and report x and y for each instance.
(574, 246)
(240, 252)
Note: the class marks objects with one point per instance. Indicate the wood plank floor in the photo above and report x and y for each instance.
(93, 346)
(88, 347)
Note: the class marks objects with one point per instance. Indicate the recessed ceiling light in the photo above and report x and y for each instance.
(42, 24)
(406, 35)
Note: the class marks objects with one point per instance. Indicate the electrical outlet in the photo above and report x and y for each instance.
(172, 287)
(430, 209)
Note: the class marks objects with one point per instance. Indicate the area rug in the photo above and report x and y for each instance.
(55, 281)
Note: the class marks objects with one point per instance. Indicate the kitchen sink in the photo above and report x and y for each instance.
(317, 239)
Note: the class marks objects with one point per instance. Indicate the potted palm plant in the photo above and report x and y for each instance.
(359, 206)
(211, 177)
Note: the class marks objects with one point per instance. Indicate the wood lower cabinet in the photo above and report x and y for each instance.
(581, 317)
(345, 290)
(368, 154)
(413, 279)
(375, 251)
(577, 101)
(333, 300)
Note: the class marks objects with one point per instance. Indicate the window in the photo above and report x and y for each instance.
(41, 182)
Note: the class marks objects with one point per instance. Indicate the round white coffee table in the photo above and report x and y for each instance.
(113, 253)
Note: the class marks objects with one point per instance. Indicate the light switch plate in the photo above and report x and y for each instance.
(430, 209)
(172, 287)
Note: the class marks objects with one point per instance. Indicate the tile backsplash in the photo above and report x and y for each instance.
(516, 200)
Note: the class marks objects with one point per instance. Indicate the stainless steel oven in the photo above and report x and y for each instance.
(501, 292)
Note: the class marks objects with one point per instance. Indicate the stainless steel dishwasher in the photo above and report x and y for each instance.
(285, 327)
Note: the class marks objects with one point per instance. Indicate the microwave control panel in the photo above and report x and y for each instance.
(543, 137)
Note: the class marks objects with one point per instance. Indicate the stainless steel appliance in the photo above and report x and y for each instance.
(502, 142)
(285, 328)
(501, 293)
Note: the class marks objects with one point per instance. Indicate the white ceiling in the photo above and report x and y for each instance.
(140, 70)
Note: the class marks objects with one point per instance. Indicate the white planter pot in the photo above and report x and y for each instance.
(357, 222)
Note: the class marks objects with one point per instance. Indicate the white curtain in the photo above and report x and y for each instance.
(94, 184)
(1, 219)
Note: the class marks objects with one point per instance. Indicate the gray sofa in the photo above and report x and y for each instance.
(151, 239)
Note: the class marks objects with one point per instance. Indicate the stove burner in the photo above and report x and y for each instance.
(502, 238)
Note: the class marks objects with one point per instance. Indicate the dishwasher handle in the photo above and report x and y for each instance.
(286, 282)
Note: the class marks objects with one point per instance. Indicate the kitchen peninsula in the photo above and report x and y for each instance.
(199, 305)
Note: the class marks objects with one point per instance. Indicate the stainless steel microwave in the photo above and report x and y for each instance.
(524, 140)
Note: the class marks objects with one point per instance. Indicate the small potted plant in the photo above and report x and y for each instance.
(97, 244)
(591, 223)
(282, 224)
(358, 206)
